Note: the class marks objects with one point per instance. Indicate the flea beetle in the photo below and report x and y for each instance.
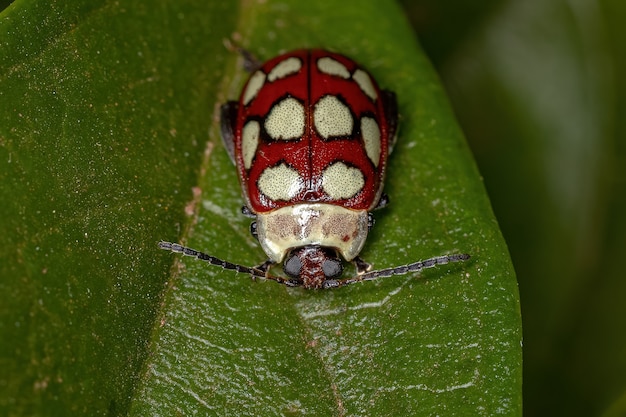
(310, 136)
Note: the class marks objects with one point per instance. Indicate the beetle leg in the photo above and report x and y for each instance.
(390, 104)
(383, 202)
(253, 230)
(246, 211)
(265, 266)
(250, 62)
(228, 120)
(361, 266)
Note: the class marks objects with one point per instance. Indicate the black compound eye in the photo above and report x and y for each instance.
(332, 268)
(292, 266)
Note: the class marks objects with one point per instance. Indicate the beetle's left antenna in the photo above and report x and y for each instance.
(175, 247)
(398, 270)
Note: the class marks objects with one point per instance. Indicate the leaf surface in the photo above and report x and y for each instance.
(115, 104)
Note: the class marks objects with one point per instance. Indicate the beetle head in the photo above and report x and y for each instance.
(312, 265)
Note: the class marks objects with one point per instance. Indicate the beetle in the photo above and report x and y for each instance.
(310, 137)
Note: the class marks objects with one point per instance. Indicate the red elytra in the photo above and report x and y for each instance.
(312, 82)
(310, 136)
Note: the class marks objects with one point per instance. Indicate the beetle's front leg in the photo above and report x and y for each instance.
(264, 267)
(361, 266)
(250, 62)
(383, 202)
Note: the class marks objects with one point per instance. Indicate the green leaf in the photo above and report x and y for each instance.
(101, 135)
(105, 114)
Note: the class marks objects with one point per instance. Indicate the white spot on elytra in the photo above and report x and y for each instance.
(371, 138)
(280, 182)
(249, 142)
(332, 117)
(285, 68)
(254, 85)
(340, 181)
(285, 120)
(365, 83)
(330, 66)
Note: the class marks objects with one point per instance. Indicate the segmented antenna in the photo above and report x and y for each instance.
(176, 248)
(368, 276)
(397, 270)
